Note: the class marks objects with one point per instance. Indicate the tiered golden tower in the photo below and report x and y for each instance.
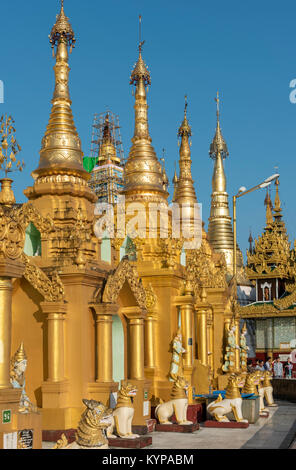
(220, 228)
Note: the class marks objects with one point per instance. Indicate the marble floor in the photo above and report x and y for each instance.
(278, 431)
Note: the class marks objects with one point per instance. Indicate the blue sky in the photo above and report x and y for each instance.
(246, 50)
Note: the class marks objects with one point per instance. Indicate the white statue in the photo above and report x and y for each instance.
(232, 401)
(177, 360)
(123, 414)
(178, 404)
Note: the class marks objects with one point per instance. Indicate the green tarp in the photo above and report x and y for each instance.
(89, 163)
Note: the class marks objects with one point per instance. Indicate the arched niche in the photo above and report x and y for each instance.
(32, 245)
(128, 249)
(106, 247)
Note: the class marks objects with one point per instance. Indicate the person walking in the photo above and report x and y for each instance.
(277, 369)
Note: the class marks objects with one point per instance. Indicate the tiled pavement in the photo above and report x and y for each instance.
(275, 432)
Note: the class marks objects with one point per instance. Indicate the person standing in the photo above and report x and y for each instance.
(260, 365)
(268, 364)
(250, 367)
(277, 369)
(288, 369)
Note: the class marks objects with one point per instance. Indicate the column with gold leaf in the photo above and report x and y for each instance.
(55, 313)
(202, 340)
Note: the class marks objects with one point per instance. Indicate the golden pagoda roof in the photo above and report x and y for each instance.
(61, 147)
(184, 192)
(218, 145)
(140, 70)
(272, 255)
(62, 28)
(185, 129)
(143, 174)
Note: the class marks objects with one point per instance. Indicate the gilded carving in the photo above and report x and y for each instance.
(151, 297)
(125, 272)
(51, 289)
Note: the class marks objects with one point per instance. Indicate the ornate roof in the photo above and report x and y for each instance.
(272, 255)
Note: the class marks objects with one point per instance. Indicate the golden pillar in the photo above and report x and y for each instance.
(135, 362)
(5, 331)
(202, 343)
(187, 334)
(150, 334)
(104, 371)
(237, 341)
(186, 305)
(55, 312)
(136, 348)
(210, 339)
(104, 384)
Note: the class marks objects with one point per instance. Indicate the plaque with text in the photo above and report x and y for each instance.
(25, 439)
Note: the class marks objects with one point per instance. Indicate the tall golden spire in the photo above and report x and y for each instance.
(268, 204)
(220, 229)
(185, 192)
(107, 152)
(277, 202)
(143, 172)
(61, 148)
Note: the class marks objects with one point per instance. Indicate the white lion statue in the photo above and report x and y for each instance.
(232, 401)
(123, 414)
(178, 404)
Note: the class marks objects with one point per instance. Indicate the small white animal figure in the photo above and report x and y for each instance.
(232, 401)
(178, 404)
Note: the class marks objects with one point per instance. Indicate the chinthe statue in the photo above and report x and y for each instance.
(251, 383)
(91, 430)
(243, 348)
(122, 418)
(18, 368)
(229, 364)
(232, 401)
(268, 389)
(178, 404)
(262, 410)
(177, 359)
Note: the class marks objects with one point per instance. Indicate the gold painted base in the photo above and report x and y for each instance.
(63, 418)
(201, 377)
(9, 401)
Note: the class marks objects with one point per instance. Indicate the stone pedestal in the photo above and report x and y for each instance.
(18, 430)
(9, 404)
(250, 410)
(29, 425)
(184, 428)
(230, 424)
(137, 443)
